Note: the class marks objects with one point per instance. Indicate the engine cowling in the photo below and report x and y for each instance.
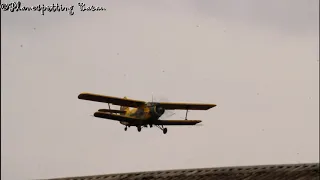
(157, 111)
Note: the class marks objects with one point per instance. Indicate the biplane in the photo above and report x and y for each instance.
(141, 114)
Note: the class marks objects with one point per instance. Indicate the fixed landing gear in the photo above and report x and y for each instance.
(139, 128)
(164, 130)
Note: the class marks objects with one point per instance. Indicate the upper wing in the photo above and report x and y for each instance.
(115, 117)
(189, 106)
(177, 122)
(110, 99)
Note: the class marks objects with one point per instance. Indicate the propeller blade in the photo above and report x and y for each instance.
(168, 113)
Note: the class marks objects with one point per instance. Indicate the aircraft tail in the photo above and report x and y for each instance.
(124, 108)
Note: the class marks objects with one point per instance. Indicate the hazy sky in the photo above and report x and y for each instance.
(258, 61)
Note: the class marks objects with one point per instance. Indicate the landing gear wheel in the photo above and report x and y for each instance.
(125, 128)
(139, 129)
(165, 130)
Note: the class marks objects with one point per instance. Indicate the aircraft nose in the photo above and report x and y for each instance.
(160, 110)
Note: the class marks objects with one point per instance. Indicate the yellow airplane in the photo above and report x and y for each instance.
(142, 113)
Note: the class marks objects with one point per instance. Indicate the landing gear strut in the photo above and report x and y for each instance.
(139, 128)
(126, 128)
(164, 130)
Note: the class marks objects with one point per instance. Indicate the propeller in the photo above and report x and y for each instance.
(167, 113)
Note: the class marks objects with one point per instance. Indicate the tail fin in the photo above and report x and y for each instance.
(124, 108)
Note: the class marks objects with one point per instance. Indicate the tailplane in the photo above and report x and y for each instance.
(124, 108)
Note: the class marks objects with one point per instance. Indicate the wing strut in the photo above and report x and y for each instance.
(109, 107)
(186, 118)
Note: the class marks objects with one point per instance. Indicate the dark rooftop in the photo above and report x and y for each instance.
(275, 172)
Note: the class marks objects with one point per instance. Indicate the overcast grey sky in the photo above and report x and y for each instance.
(258, 61)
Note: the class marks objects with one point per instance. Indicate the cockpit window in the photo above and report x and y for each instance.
(149, 104)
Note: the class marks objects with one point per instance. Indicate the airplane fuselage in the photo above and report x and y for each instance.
(147, 114)
(143, 113)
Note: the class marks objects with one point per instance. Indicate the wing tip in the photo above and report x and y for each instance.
(196, 121)
(210, 106)
(81, 95)
(100, 112)
(96, 114)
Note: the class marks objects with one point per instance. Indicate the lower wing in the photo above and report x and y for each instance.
(177, 122)
(115, 117)
(185, 106)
